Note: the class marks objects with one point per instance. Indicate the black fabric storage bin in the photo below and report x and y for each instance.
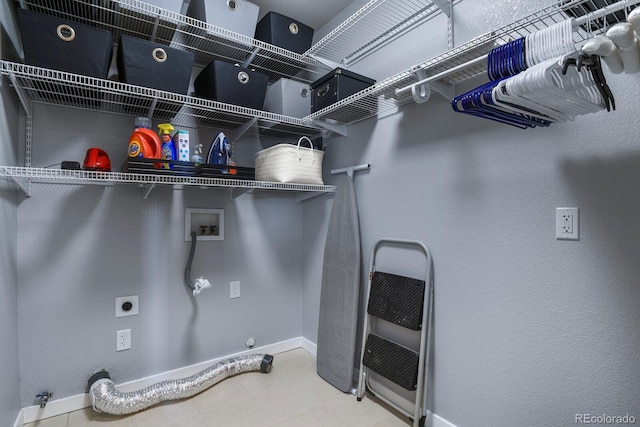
(335, 86)
(224, 82)
(148, 64)
(282, 31)
(65, 45)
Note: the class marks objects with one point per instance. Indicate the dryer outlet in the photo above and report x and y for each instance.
(127, 306)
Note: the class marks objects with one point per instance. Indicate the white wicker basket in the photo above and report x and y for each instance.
(289, 163)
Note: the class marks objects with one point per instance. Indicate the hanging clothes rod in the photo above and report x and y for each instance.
(576, 23)
(351, 169)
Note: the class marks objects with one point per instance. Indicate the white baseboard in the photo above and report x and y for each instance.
(81, 401)
(308, 346)
(19, 420)
(434, 420)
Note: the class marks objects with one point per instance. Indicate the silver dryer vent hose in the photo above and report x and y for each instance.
(106, 398)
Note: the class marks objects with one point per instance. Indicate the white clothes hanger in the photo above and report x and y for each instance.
(560, 97)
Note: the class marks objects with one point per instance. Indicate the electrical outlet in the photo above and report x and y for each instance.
(127, 306)
(234, 290)
(123, 340)
(567, 224)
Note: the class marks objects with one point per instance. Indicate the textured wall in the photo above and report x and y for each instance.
(529, 330)
(82, 246)
(9, 380)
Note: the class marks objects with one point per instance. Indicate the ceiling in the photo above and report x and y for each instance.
(314, 13)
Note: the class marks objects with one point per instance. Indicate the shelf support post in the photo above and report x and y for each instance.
(152, 108)
(154, 32)
(28, 141)
(450, 38)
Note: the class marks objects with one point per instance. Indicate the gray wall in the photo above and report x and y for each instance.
(9, 380)
(529, 330)
(80, 247)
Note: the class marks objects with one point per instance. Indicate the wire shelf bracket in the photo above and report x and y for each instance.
(237, 134)
(444, 6)
(332, 127)
(421, 93)
(237, 192)
(23, 184)
(301, 197)
(327, 62)
(146, 190)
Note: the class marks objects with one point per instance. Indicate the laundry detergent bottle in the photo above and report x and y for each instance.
(144, 142)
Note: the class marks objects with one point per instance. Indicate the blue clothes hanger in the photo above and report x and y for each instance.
(503, 62)
(479, 102)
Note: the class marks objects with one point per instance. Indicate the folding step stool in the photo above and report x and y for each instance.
(407, 303)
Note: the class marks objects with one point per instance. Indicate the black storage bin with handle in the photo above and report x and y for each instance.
(154, 65)
(62, 44)
(282, 31)
(224, 82)
(335, 86)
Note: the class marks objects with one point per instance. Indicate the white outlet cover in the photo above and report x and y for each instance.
(234, 290)
(123, 340)
(120, 301)
(568, 223)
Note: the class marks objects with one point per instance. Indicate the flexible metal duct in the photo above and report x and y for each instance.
(106, 398)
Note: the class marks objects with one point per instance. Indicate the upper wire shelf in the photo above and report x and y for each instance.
(72, 90)
(376, 23)
(207, 42)
(382, 96)
(78, 177)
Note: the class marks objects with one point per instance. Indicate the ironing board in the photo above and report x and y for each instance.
(335, 359)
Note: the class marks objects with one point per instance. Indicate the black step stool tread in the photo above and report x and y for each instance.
(396, 363)
(397, 299)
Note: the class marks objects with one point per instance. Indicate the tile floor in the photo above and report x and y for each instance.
(292, 395)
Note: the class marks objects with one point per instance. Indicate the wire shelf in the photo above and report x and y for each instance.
(77, 177)
(382, 96)
(206, 41)
(373, 25)
(72, 90)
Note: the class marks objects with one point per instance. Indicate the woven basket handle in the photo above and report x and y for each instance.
(313, 160)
